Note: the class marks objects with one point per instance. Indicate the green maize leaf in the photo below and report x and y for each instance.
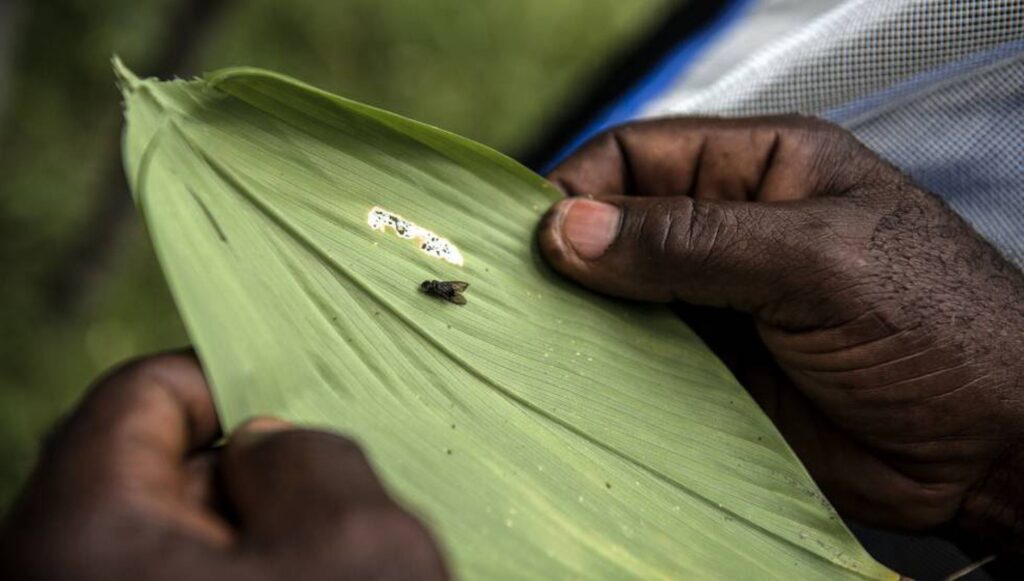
(540, 430)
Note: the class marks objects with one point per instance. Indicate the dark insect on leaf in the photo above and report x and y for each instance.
(446, 290)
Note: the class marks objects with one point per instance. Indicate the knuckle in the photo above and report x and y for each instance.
(603, 144)
(809, 123)
(131, 384)
(627, 131)
(623, 130)
(841, 165)
(827, 255)
(817, 128)
(821, 142)
(829, 252)
(149, 377)
(830, 152)
(148, 370)
(604, 139)
(825, 128)
(809, 132)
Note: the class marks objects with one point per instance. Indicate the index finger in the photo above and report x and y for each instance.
(740, 159)
(135, 428)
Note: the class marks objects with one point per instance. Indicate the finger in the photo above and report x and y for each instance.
(129, 441)
(314, 491)
(135, 428)
(201, 482)
(724, 254)
(278, 477)
(752, 159)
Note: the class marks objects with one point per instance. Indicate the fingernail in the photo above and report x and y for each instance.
(259, 427)
(590, 227)
(265, 424)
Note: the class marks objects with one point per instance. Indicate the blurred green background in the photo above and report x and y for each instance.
(80, 289)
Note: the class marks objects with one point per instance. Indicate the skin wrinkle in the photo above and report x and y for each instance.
(875, 365)
(638, 228)
(691, 188)
(692, 239)
(887, 329)
(917, 401)
(839, 294)
(931, 375)
(618, 140)
(673, 223)
(939, 396)
(713, 241)
(766, 166)
(793, 342)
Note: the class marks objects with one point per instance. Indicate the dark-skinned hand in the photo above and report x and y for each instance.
(883, 336)
(130, 487)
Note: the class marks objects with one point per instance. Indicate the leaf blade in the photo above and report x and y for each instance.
(590, 437)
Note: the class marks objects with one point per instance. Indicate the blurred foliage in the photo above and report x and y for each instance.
(493, 70)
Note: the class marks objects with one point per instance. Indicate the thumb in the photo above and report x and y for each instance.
(282, 481)
(743, 255)
(313, 496)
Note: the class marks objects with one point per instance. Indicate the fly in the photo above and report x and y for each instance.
(446, 290)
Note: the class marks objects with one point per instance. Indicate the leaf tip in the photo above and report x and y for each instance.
(126, 79)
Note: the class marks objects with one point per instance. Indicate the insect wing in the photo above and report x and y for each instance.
(450, 291)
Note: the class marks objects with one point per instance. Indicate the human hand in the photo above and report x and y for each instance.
(883, 336)
(131, 487)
